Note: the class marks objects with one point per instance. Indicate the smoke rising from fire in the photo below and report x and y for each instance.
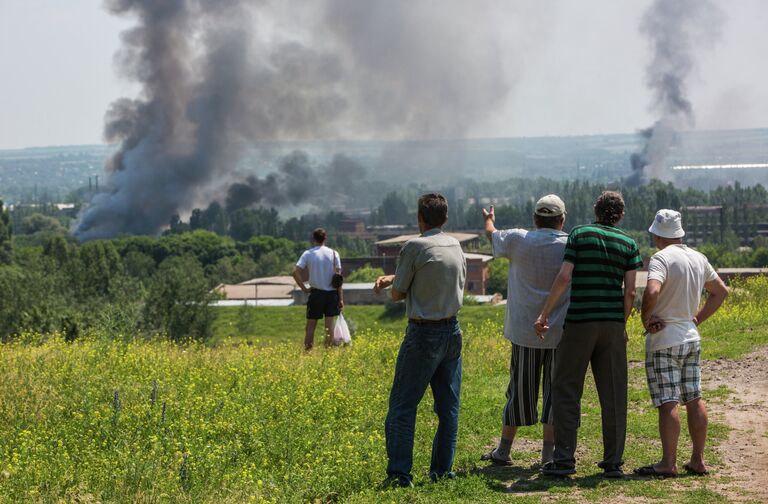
(675, 29)
(219, 76)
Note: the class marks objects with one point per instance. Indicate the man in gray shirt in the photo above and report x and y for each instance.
(430, 277)
(534, 261)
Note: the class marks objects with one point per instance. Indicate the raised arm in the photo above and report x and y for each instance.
(490, 222)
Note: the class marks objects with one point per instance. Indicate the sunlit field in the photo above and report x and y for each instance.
(254, 418)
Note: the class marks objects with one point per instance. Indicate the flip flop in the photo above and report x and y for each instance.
(694, 472)
(488, 457)
(649, 470)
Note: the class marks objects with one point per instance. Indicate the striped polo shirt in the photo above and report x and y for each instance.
(600, 255)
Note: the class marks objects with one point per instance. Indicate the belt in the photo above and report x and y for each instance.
(444, 321)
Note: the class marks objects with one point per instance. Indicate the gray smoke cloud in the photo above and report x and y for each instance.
(219, 76)
(675, 30)
(295, 182)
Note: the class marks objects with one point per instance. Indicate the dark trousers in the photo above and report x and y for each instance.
(602, 345)
(429, 355)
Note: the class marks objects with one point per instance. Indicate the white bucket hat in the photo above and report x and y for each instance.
(667, 224)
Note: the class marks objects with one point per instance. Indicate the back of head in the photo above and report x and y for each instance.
(433, 209)
(609, 208)
(319, 235)
(549, 212)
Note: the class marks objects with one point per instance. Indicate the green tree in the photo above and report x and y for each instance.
(139, 265)
(176, 225)
(366, 274)
(498, 270)
(760, 257)
(231, 270)
(178, 301)
(198, 220)
(101, 264)
(217, 219)
(206, 246)
(245, 223)
(59, 250)
(393, 210)
(31, 298)
(6, 248)
(273, 264)
(260, 245)
(37, 223)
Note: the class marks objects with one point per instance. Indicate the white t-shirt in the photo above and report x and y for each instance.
(682, 272)
(535, 258)
(319, 261)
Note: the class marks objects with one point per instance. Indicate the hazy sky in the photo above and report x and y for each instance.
(579, 71)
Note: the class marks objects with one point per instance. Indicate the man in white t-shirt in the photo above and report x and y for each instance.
(324, 301)
(677, 276)
(535, 258)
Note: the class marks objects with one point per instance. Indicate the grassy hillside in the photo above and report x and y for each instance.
(267, 325)
(101, 420)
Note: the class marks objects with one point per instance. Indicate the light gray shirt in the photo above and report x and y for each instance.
(535, 258)
(431, 271)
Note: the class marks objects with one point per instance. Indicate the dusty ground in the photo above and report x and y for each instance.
(744, 467)
(741, 475)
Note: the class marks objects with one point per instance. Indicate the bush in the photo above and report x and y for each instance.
(497, 281)
(470, 300)
(394, 310)
(366, 274)
(178, 301)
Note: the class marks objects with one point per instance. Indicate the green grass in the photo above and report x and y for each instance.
(254, 418)
(267, 325)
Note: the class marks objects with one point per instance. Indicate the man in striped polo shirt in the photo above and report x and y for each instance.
(598, 259)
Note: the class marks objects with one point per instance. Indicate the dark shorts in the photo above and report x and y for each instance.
(322, 303)
(526, 369)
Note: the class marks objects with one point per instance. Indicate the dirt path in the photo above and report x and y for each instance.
(744, 455)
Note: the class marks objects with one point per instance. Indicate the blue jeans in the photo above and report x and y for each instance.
(429, 355)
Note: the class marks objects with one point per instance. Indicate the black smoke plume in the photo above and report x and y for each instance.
(294, 183)
(220, 76)
(674, 28)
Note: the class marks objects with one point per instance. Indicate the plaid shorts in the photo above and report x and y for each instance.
(674, 374)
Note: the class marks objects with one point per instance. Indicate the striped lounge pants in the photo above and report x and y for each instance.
(525, 371)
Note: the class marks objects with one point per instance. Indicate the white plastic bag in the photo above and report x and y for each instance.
(341, 334)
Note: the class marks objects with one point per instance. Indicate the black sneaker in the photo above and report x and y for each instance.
(556, 469)
(436, 477)
(613, 472)
(397, 482)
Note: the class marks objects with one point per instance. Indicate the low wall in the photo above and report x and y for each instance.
(354, 294)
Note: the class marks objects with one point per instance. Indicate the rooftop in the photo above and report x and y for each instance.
(273, 280)
(461, 237)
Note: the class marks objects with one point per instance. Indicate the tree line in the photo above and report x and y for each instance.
(162, 284)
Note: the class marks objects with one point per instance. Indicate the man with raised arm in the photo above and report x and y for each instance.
(598, 259)
(534, 261)
(677, 275)
(430, 278)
